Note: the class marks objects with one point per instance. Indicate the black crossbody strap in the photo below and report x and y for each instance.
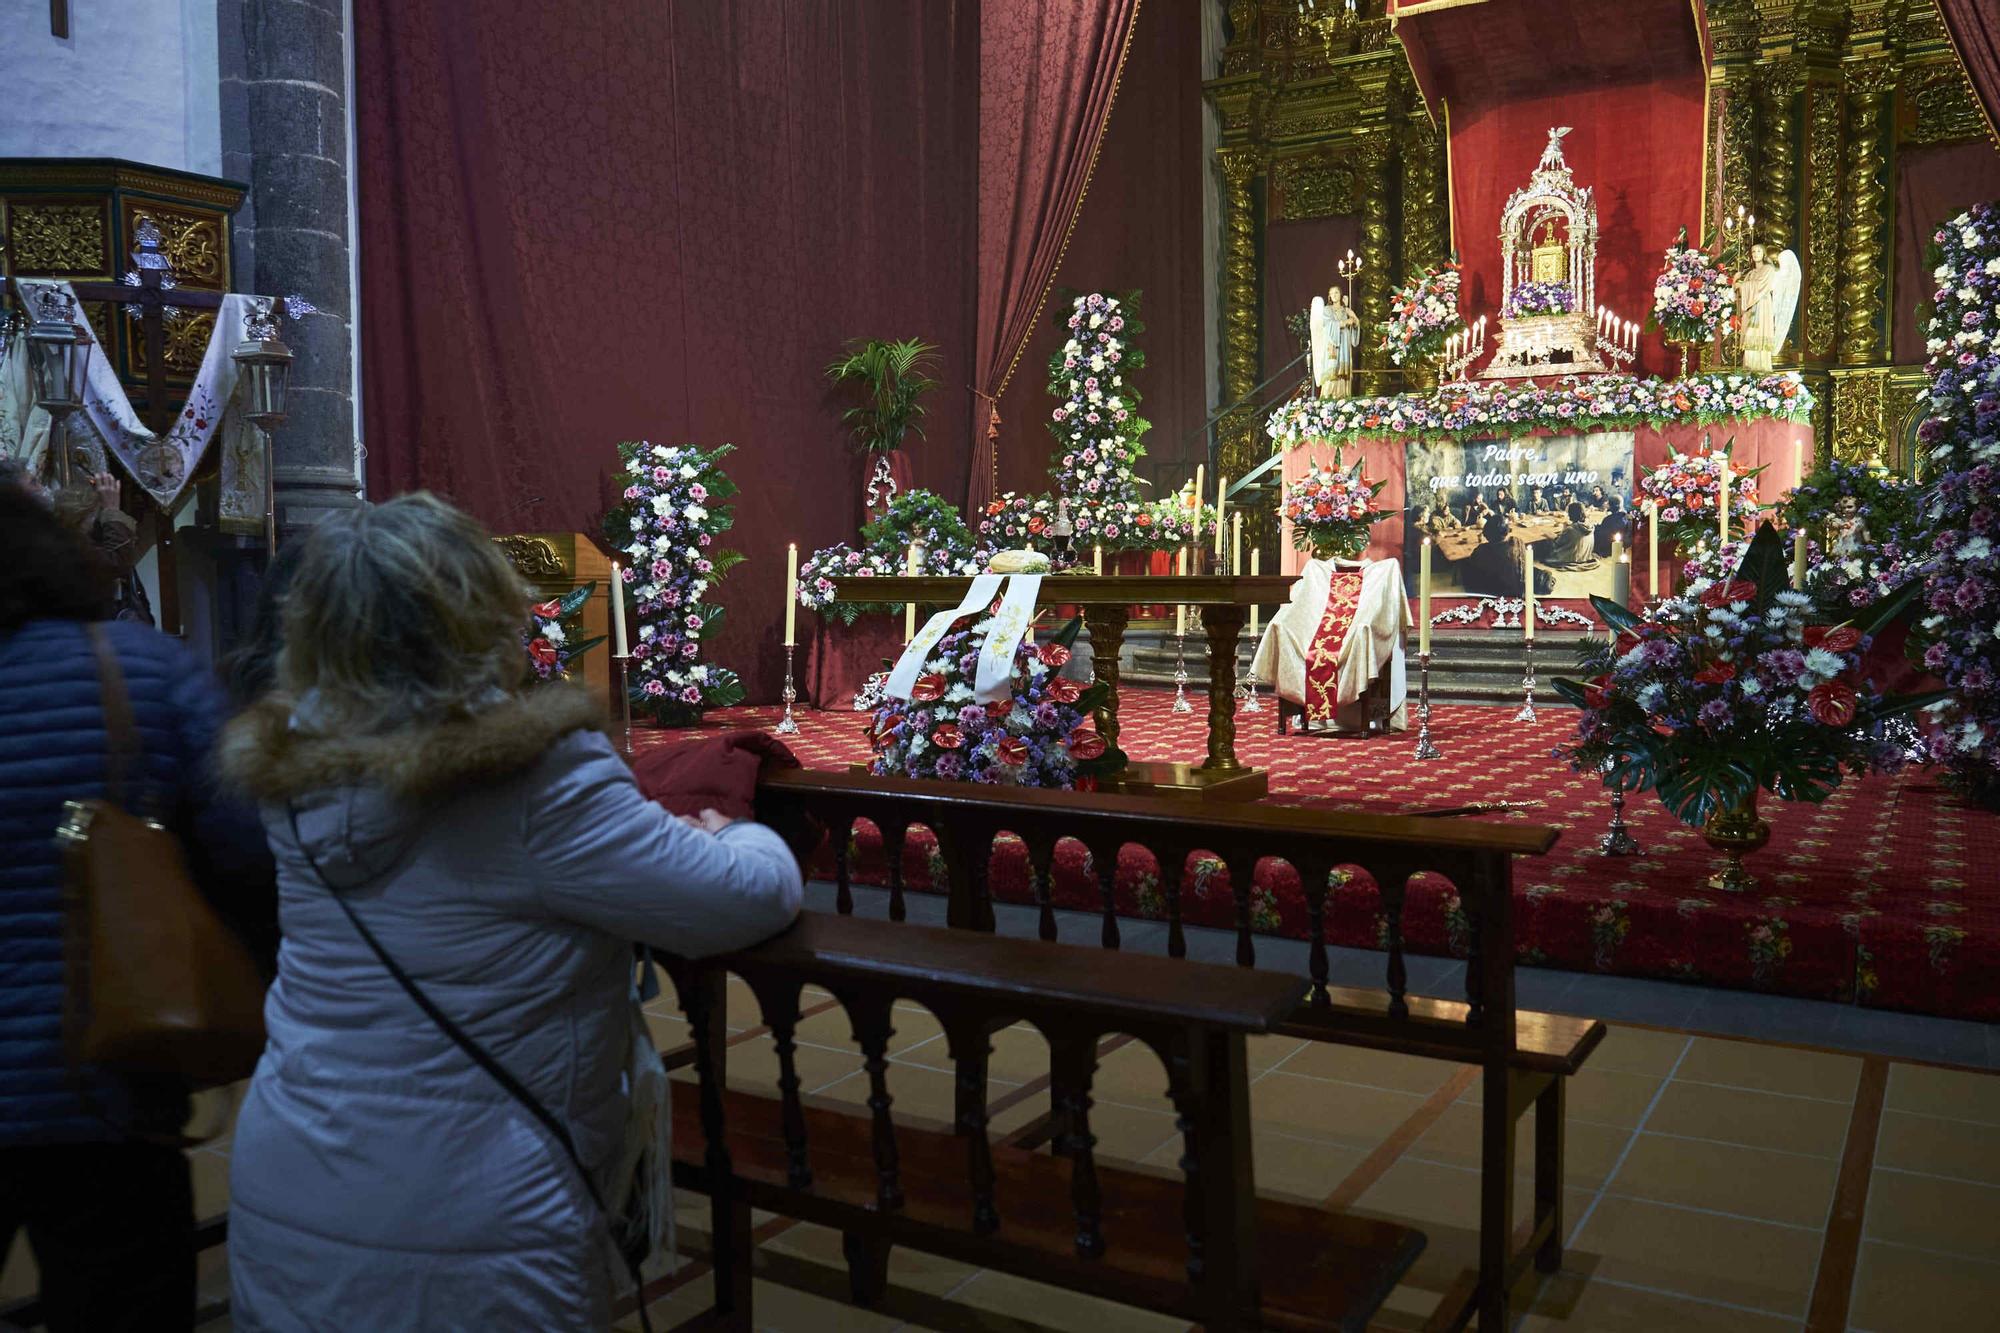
(478, 1054)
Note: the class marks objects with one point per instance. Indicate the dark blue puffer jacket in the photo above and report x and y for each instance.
(52, 749)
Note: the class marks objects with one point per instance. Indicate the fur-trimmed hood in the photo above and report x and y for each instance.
(265, 756)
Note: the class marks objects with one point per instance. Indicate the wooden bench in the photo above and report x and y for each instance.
(1205, 1248)
(1523, 1057)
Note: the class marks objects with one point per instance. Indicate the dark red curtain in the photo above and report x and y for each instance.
(1139, 229)
(1933, 185)
(1048, 73)
(585, 224)
(1974, 26)
(1630, 88)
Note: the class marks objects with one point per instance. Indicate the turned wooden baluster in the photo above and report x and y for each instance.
(1072, 1066)
(1041, 873)
(1210, 1088)
(1394, 888)
(870, 1016)
(702, 1000)
(1313, 877)
(1242, 888)
(1104, 859)
(779, 999)
(1173, 864)
(982, 880)
(970, 1051)
(1184, 1090)
(892, 847)
(843, 890)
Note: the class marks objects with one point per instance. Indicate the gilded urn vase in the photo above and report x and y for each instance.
(1736, 832)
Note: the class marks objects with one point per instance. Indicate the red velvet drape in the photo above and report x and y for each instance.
(1974, 26)
(1933, 185)
(1300, 262)
(585, 224)
(1139, 229)
(1048, 73)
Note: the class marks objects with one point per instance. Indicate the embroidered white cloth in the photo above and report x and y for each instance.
(903, 676)
(1374, 640)
(163, 465)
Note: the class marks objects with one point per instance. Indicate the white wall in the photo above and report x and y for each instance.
(135, 79)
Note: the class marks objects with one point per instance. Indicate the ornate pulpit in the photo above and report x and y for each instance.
(555, 562)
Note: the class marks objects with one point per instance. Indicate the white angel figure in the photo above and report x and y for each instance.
(1768, 297)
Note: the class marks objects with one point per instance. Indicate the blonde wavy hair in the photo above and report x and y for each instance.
(400, 612)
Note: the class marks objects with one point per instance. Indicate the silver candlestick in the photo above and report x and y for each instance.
(1527, 713)
(1618, 840)
(625, 702)
(1246, 692)
(787, 725)
(1181, 704)
(1425, 748)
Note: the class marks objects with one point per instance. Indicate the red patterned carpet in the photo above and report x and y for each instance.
(1887, 895)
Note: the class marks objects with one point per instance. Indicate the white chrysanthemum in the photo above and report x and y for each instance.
(553, 632)
(688, 472)
(662, 505)
(1823, 664)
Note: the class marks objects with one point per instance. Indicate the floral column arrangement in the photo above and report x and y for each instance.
(665, 528)
(1961, 628)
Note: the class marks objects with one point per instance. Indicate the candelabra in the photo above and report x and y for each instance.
(1349, 269)
(1527, 713)
(1425, 748)
(1181, 704)
(1463, 348)
(1618, 840)
(625, 702)
(787, 725)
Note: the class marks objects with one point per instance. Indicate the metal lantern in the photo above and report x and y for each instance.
(266, 365)
(58, 363)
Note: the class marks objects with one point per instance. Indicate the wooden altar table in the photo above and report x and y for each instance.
(1106, 601)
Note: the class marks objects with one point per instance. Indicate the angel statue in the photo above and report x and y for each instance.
(1336, 335)
(1767, 294)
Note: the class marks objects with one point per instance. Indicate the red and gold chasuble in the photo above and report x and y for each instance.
(1343, 598)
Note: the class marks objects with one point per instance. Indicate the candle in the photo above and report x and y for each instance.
(1799, 559)
(1097, 559)
(1256, 559)
(1653, 549)
(1200, 480)
(618, 612)
(1624, 594)
(1180, 609)
(1528, 600)
(1424, 600)
(910, 567)
(1722, 499)
(1221, 501)
(791, 594)
(1236, 542)
(1798, 462)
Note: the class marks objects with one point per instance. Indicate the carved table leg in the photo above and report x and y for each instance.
(1224, 625)
(1107, 640)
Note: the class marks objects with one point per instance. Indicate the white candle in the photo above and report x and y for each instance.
(791, 594)
(618, 612)
(1221, 501)
(1256, 559)
(1236, 542)
(1097, 559)
(1180, 609)
(1528, 599)
(1424, 599)
(1624, 594)
(910, 567)
(1722, 500)
(1200, 480)
(1798, 463)
(1799, 559)
(1653, 549)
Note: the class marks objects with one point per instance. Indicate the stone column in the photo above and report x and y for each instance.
(1864, 324)
(284, 116)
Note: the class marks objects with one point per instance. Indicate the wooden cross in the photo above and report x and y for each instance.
(153, 298)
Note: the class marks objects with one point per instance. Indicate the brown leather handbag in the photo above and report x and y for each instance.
(155, 982)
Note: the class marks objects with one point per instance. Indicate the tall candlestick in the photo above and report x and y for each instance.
(1799, 559)
(1528, 598)
(1424, 599)
(1653, 549)
(1221, 501)
(1256, 559)
(1097, 559)
(1236, 542)
(618, 612)
(910, 608)
(791, 594)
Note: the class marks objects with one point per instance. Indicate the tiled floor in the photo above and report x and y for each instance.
(1711, 1182)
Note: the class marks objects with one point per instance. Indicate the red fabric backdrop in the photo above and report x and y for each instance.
(1139, 228)
(581, 225)
(1974, 26)
(1048, 73)
(1933, 185)
(1300, 261)
(1630, 85)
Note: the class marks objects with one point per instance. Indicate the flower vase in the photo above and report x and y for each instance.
(1736, 832)
(1686, 347)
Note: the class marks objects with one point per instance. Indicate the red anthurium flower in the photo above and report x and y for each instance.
(546, 610)
(543, 652)
(1011, 751)
(1722, 594)
(1064, 690)
(946, 737)
(1835, 639)
(1085, 744)
(1053, 655)
(1716, 673)
(1597, 693)
(1625, 643)
(999, 708)
(1832, 703)
(928, 689)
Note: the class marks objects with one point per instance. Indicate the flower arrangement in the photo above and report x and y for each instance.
(1688, 487)
(1422, 314)
(1693, 300)
(1961, 594)
(551, 636)
(666, 523)
(1502, 409)
(1863, 564)
(1173, 522)
(1040, 737)
(1096, 421)
(915, 518)
(1331, 509)
(1726, 690)
(1013, 521)
(1540, 298)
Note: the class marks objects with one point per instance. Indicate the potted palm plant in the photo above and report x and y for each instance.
(893, 376)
